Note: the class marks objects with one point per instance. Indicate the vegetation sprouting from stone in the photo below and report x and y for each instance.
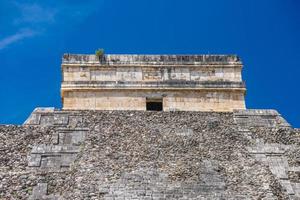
(99, 53)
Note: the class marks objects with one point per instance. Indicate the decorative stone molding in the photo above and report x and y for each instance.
(115, 59)
(61, 154)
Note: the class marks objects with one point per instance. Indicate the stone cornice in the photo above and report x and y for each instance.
(157, 60)
(189, 65)
(164, 86)
(154, 84)
(153, 89)
(89, 89)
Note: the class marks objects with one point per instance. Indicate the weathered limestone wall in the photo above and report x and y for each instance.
(123, 82)
(250, 154)
(144, 74)
(172, 100)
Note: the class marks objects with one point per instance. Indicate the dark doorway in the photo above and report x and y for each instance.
(154, 104)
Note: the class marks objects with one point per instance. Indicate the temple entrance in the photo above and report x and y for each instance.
(154, 104)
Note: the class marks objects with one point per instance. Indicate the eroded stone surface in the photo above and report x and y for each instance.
(149, 155)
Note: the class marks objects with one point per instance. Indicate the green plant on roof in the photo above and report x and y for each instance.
(99, 53)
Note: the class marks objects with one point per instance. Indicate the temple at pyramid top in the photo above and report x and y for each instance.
(152, 82)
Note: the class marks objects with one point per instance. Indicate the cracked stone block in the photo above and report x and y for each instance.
(278, 167)
(51, 149)
(61, 119)
(77, 137)
(294, 169)
(283, 122)
(286, 184)
(55, 138)
(261, 157)
(39, 191)
(184, 132)
(67, 159)
(72, 136)
(53, 162)
(34, 119)
(75, 120)
(270, 149)
(52, 157)
(255, 112)
(296, 188)
(34, 160)
(274, 149)
(47, 120)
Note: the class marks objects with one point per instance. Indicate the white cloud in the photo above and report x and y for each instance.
(22, 34)
(34, 18)
(34, 13)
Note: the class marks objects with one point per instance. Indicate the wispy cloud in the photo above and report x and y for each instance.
(30, 20)
(35, 13)
(36, 18)
(25, 33)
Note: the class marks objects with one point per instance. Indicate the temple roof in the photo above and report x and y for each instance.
(112, 59)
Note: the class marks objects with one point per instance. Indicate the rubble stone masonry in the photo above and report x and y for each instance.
(247, 154)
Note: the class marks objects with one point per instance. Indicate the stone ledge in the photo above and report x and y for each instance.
(52, 117)
(157, 85)
(259, 118)
(250, 112)
(52, 149)
(111, 59)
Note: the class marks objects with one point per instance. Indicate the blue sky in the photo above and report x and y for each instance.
(35, 34)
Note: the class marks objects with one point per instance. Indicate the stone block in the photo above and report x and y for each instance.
(61, 119)
(286, 184)
(51, 161)
(184, 132)
(296, 188)
(47, 120)
(294, 169)
(75, 120)
(39, 191)
(34, 160)
(33, 119)
(67, 159)
(72, 136)
(278, 166)
(54, 149)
